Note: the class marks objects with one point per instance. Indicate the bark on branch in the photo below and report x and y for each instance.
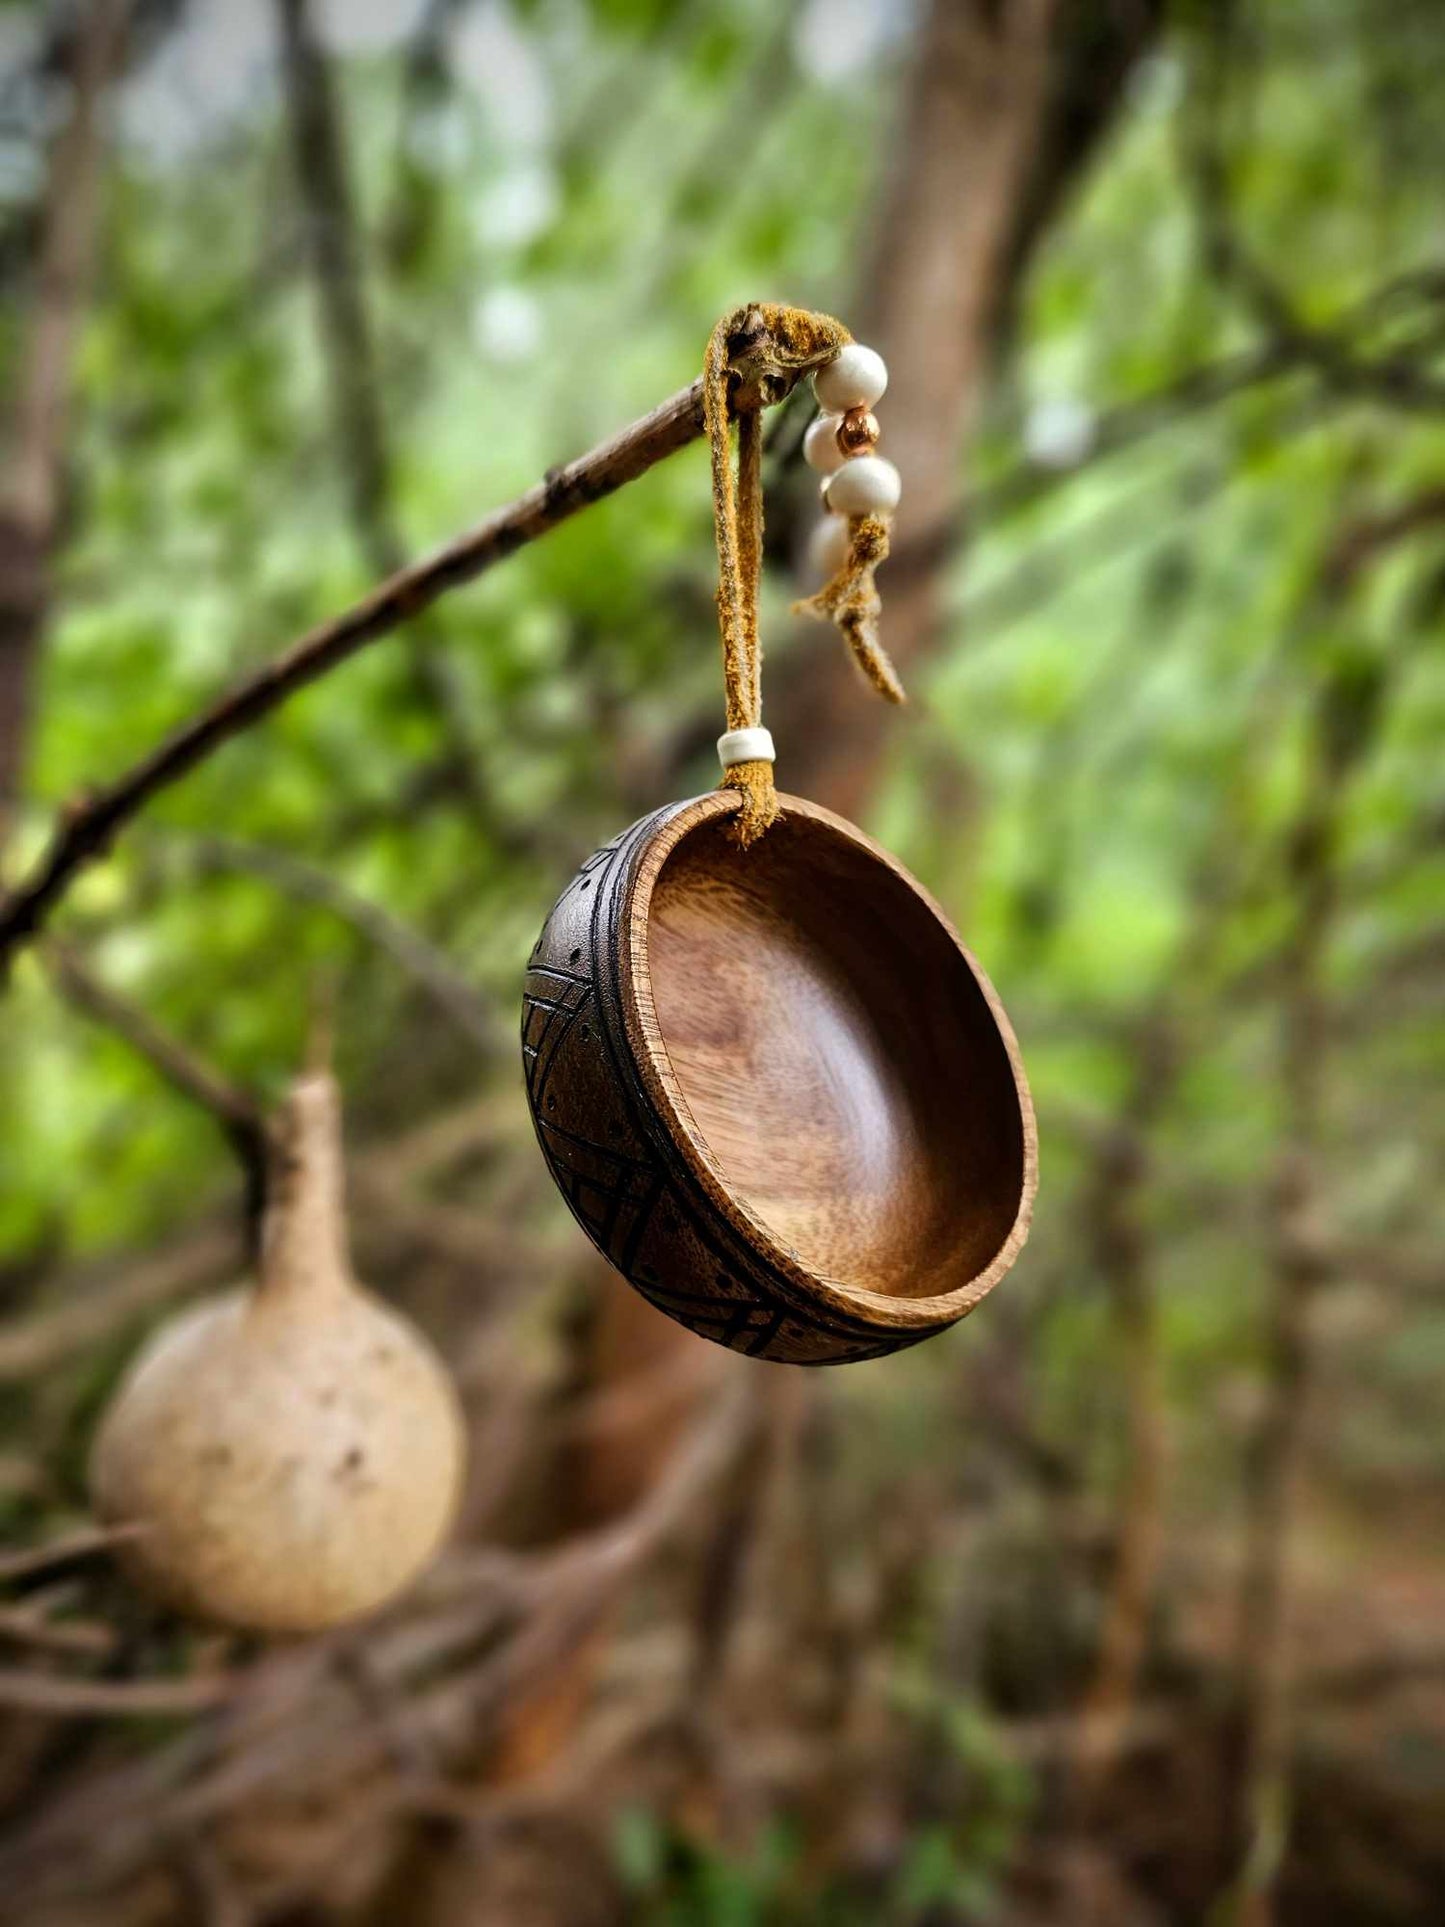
(90, 823)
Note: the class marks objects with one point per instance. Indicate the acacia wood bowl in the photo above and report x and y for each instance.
(775, 1089)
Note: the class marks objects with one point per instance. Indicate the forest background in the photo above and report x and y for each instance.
(1123, 1601)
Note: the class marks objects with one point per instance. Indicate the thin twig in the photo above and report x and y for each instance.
(107, 1698)
(1183, 397)
(1390, 377)
(1348, 716)
(1360, 542)
(1116, 1228)
(107, 1294)
(453, 995)
(30, 1626)
(218, 1901)
(235, 1110)
(33, 473)
(31, 1346)
(60, 1552)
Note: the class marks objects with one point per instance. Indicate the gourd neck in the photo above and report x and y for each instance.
(303, 1245)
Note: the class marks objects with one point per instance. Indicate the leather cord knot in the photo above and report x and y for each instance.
(754, 358)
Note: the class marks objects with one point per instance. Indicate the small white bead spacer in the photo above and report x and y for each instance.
(855, 378)
(745, 746)
(820, 444)
(868, 485)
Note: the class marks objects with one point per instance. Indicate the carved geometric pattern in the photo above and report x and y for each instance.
(548, 1013)
(611, 1196)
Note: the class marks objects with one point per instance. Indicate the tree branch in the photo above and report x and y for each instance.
(1193, 392)
(30, 1346)
(1359, 542)
(89, 1302)
(457, 999)
(1123, 1253)
(33, 1626)
(48, 1694)
(1390, 377)
(235, 1110)
(61, 1552)
(90, 823)
(1348, 715)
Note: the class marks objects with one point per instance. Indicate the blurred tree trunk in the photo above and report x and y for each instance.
(1126, 1255)
(31, 486)
(1006, 104)
(1348, 714)
(359, 433)
(1122, 1251)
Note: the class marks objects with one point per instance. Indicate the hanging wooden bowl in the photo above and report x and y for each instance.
(777, 1092)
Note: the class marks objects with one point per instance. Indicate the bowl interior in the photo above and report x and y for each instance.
(837, 1055)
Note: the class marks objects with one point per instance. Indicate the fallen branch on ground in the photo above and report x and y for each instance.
(485, 1627)
(48, 1693)
(60, 1552)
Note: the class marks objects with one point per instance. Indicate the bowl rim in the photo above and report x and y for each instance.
(664, 1089)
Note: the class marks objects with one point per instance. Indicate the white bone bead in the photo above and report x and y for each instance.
(820, 445)
(827, 546)
(868, 485)
(855, 378)
(745, 746)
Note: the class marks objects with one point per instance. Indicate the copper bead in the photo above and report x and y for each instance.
(858, 432)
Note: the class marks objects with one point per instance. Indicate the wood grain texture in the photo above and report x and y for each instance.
(774, 1088)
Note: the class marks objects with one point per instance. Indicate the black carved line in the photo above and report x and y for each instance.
(556, 970)
(600, 1150)
(637, 1118)
(689, 1301)
(571, 1184)
(706, 1317)
(614, 1191)
(737, 1322)
(765, 1337)
(538, 1071)
(628, 1256)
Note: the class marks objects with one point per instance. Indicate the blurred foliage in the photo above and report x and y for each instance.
(1102, 775)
